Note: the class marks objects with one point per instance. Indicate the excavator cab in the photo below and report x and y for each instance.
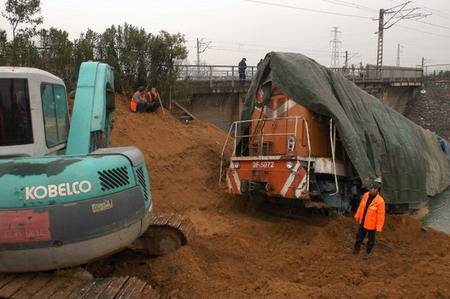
(34, 119)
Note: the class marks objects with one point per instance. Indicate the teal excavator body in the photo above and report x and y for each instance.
(66, 197)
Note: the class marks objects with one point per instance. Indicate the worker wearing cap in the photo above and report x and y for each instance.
(241, 69)
(139, 102)
(370, 215)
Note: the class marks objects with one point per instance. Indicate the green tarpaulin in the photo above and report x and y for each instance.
(379, 141)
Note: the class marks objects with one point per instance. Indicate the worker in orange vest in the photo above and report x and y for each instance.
(139, 101)
(370, 215)
(154, 100)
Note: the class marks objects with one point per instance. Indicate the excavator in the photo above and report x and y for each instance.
(67, 198)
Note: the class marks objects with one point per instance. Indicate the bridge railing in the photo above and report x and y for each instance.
(384, 74)
(214, 73)
(230, 73)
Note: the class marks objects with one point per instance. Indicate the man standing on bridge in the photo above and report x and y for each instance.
(370, 215)
(242, 67)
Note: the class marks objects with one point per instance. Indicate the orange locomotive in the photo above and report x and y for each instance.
(289, 152)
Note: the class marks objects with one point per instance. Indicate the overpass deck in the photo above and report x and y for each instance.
(225, 79)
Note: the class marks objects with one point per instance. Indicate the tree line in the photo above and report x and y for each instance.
(138, 57)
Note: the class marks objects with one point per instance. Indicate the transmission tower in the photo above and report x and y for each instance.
(335, 47)
(397, 14)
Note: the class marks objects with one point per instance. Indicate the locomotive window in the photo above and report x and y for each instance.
(56, 118)
(15, 116)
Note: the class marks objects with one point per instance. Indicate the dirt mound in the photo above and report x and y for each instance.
(242, 251)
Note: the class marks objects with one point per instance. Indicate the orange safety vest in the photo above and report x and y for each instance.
(375, 213)
(133, 103)
(152, 97)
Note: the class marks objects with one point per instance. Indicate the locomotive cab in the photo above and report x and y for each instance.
(289, 152)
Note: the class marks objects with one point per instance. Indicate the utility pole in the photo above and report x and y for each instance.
(423, 65)
(201, 47)
(397, 13)
(346, 59)
(335, 48)
(380, 39)
(398, 54)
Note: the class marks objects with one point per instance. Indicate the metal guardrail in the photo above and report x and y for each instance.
(370, 73)
(384, 74)
(226, 74)
(213, 72)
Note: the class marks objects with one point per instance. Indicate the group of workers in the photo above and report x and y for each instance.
(145, 101)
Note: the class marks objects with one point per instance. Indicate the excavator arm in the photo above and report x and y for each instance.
(92, 115)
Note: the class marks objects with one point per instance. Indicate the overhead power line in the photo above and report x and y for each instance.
(440, 26)
(434, 11)
(348, 4)
(307, 9)
(421, 31)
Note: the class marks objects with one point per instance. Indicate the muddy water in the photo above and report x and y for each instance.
(439, 212)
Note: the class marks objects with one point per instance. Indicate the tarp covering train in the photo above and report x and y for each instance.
(379, 142)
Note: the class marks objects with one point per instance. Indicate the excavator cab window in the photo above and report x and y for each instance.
(56, 117)
(15, 116)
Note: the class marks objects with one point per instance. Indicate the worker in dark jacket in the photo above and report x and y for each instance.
(370, 215)
(242, 67)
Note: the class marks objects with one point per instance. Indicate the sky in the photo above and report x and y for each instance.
(232, 29)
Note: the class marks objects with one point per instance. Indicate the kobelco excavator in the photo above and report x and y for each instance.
(66, 198)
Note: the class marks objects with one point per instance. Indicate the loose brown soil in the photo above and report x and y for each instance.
(242, 251)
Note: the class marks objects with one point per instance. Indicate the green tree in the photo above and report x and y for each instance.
(167, 51)
(19, 12)
(56, 54)
(27, 53)
(3, 48)
(84, 48)
(126, 48)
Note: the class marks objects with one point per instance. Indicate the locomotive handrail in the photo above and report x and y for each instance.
(235, 125)
(309, 156)
(333, 154)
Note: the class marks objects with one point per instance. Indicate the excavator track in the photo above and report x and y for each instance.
(45, 285)
(166, 233)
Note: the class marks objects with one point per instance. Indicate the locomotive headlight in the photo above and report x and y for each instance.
(235, 165)
(289, 164)
(291, 143)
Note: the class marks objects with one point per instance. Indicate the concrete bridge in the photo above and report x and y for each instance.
(218, 94)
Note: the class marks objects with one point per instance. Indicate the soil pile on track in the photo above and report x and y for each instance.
(242, 251)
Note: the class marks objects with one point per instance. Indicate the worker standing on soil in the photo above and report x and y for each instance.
(139, 102)
(154, 100)
(370, 215)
